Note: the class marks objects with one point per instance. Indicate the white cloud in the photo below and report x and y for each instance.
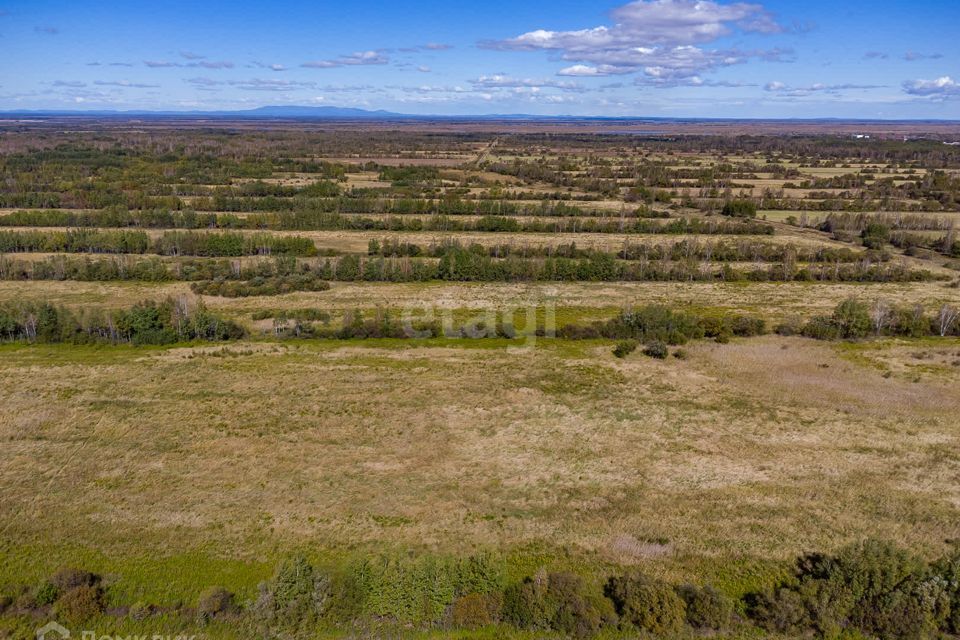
(203, 64)
(913, 56)
(584, 70)
(354, 59)
(125, 84)
(784, 89)
(656, 37)
(500, 81)
(941, 87)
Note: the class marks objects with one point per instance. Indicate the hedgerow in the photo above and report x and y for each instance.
(870, 589)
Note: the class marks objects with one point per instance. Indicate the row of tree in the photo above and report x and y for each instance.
(458, 265)
(320, 220)
(170, 243)
(166, 322)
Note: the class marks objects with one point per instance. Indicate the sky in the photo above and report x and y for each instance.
(648, 58)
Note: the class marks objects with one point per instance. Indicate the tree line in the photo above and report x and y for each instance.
(457, 265)
(149, 322)
(867, 589)
(171, 243)
(326, 221)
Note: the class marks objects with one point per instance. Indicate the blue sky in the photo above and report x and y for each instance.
(876, 59)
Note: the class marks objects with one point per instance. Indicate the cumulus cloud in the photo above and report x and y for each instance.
(354, 59)
(189, 55)
(68, 83)
(585, 70)
(943, 87)
(875, 55)
(424, 69)
(659, 38)
(46, 30)
(437, 46)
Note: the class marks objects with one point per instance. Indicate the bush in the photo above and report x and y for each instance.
(45, 594)
(79, 604)
(625, 348)
(656, 349)
(556, 601)
(745, 326)
(872, 586)
(790, 327)
(821, 328)
(875, 235)
(141, 611)
(852, 319)
(66, 579)
(648, 604)
(707, 608)
(5, 603)
(215, 601)
(740, 209)
(471, 611)
(297, 594)
(948, 571)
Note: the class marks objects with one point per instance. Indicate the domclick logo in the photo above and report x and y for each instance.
(56, 631)
(53, 631)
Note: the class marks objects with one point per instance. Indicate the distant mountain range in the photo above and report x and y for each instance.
(260, 112)
(344, 113)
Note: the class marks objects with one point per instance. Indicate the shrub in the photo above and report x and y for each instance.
(46, 593)
(66, 579)
(707, 608)
(648, 604)
(947, 569)
(871, 586)
(821, 328)
(471, 611)
(215, 601)
(557, 601)
(790, 327)
(782, 610)
(852, 319)
(656, 349)
(745, 326)
(740, 209)
(875, 235)
(5, 603)
(625, 348)
(141, 611)
(79, 604)
(296, 594)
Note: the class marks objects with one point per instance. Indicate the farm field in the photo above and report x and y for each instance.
(435, 367)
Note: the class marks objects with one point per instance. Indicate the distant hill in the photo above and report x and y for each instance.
(260, 112)
(312, 112)
(299, 112)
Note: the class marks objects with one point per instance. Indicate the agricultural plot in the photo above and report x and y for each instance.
(445, 374)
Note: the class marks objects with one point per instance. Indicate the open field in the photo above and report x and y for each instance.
(207, 364)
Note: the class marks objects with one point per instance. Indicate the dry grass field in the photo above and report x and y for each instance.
(169, 468)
